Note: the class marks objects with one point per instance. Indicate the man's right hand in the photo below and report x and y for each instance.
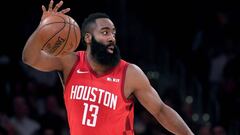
(53, 10)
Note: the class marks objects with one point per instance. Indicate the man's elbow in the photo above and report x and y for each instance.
(28, 60)
(24, 59)
(160, 110)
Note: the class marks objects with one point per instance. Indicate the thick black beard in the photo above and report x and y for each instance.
(102, 56)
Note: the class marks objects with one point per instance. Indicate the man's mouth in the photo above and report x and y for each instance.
(110, 48)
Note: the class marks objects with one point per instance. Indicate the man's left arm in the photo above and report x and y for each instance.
(150, 99)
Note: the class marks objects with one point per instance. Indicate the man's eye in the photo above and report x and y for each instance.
(105, 32)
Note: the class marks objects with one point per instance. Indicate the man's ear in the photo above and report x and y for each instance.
(88, 38)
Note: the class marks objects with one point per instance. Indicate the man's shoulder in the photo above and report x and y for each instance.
(133, 68)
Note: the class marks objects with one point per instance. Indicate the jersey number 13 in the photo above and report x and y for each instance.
(92, 111)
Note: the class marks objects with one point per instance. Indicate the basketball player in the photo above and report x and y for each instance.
(99, 86)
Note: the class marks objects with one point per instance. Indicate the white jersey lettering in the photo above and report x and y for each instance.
(93, 94)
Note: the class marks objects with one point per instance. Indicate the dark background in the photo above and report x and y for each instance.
(188, 49)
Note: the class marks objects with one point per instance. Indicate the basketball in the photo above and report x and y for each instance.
(59, 34)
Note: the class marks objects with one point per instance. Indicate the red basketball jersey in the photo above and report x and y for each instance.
(96, 104)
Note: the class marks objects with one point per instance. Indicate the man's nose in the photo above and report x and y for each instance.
(111, 38)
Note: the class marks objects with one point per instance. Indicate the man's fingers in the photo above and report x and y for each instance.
(43, 8)
(58, 6)
(50, 5)
(65, 10)
(55, 9)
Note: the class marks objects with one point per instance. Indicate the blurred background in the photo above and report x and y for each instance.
(190, 50)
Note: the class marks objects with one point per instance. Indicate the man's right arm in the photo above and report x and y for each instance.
(33, 55)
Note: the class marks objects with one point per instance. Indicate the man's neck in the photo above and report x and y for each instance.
(98, 68)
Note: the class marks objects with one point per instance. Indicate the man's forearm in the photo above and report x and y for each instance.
(172, 121)
(32, 49)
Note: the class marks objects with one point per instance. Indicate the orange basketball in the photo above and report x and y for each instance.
(59, 34)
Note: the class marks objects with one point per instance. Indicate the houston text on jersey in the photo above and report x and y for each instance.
(93, 94)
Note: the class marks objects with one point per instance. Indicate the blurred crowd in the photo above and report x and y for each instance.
(197, 74)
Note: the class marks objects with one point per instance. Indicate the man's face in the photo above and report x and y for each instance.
(107, 55)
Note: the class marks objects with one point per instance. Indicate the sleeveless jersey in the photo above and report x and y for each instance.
(96, 105)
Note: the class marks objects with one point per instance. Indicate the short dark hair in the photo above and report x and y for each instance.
(90, 20)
